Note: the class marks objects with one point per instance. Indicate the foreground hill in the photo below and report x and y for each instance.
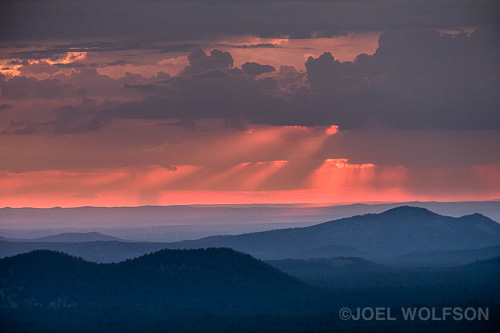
(216, 279)
(45, 291)
(444, 258)
(220, 290)
(474, 281)
(373, 236)
(347, 272)
(101, 252)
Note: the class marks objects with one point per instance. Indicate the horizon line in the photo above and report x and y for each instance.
(304, 204)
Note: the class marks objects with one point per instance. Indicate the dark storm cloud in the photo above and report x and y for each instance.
(70, 65)
(208, 96)
(175, 47)
(68, 121)
(189, 20)
(115, 63)
(61, 51)
(254, 69)
(141, 87)
(209, 87)
(97, 84)
(212, 74)
(416, 79)
(22, 88)
(5, 106)
(61, 85)
(200, 62)
(251, 46)
(77, 119)
(51, 54)
(84, 117)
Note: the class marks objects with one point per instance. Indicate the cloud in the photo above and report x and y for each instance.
(76, 65)
(419, 79)
(415, 79)
(96, 84)
(69, 119)
(209, 87)
(254, 69)
(251, 46)
(77, 119)
(22, 88)
(140, 87)
(290, 79)
(84, 117)
(5, 106)
(57, 55)
(186, 47)
(38, 67)
(200, 62)
(194, 20)
(328, 74)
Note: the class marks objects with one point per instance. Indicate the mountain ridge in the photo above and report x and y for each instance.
(70, 237)
(396, 231)
(92, 236)
(89, 218)
(392, 233)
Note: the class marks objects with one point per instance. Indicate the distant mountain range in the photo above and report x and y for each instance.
(69, 237)
(372, 236)
(391, 235)
(177, 223)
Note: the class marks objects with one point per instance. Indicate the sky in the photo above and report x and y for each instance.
(130, 103)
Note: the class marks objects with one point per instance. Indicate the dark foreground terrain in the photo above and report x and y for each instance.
(403, 258)
(221, 290)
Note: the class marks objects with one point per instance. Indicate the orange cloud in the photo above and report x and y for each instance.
(14, 70)
(295, 52)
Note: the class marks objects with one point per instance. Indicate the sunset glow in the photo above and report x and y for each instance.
(292, 114)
